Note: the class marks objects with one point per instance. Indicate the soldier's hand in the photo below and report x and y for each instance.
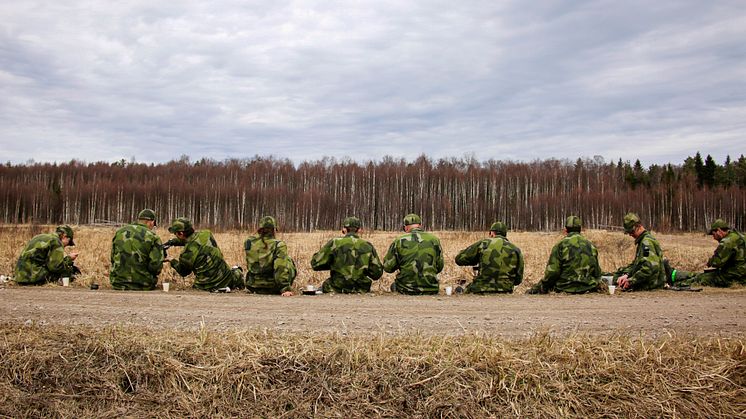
(73, 255)
(287, 294)
(623, 282)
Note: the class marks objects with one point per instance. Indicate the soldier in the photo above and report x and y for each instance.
(202, 256)
(418, 257)
(647, 271)
(353, 262)
(136, 255)
(500, 262)
(573, 264)
(43, 259)
(728, 263)
(269, 268)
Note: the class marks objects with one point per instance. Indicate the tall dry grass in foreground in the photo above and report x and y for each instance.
(116, 372)
(685, 251)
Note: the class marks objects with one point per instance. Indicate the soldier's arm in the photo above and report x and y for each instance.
(519, 272)
(553, 269)
(155, 256)
(439, 262)
(322, 260)
(596, 267)
(646, 266)
(722, 255)
(391, 260)
(185, 264)
(56, 262)
(284, 268)
(469, 256)
(374, 270)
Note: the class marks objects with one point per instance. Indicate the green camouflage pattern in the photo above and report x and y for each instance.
(646, 272)
(353, 263)
(718, 224)
(203, 257)
(419, 258)
(410, 219)
(136, 258)
(43, 260)
(180, 224)
(572, 267)
(630, 221)
(500, 228)
(270, 270)
(500, 265)
(729, 261)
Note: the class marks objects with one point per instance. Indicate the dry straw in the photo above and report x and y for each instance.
(114, 372)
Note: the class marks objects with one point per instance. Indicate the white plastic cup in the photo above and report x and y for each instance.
(166, 286)
(449, 290)
(608, 278)
(66, 281)
(612, 288)
(310, 288)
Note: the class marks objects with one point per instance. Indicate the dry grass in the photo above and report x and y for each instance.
(83, 372)
(686, 251)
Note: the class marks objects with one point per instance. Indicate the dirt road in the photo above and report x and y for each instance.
(711, 312)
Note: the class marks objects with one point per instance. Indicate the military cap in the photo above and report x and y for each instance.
(267, 222)
(66, 230)
(630, 221)
(412, 219)
(352, 222)
(573, 222)
(180, 224)
(146, 214)
(500, 228)
(719, 223)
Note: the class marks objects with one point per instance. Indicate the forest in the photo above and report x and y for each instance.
(450, 194)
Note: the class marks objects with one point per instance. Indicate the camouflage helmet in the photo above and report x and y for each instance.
(180, 224)
(67, 231)
(352, 222)
(499, 228)
(412, 219)
(146, 214)
(631, 220)
(267, 222)
(718, 224)
(573, 222)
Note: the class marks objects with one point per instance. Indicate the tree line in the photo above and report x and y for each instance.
(453, 193)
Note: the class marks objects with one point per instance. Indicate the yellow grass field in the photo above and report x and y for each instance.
(688, 251)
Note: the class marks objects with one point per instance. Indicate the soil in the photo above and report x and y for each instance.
(711, 312)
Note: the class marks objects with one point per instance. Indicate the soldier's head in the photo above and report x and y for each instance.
(573, 224)
(411, 221)
(181, 228)
(632, 225)
(498, 228)
(267, 226)
(351, 225)
(147, 217)
(65, 233)
(718, 229)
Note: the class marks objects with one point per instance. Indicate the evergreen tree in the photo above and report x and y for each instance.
(708, 172)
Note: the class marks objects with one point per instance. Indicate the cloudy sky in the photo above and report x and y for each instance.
(303, 79)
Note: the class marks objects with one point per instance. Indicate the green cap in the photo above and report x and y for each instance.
(180, 224)
(630, 221)
(500, 228)
(352, 222)
(573, 222)
(412, 219)
(146, 214)
(267, 222)
(719, 223)
(66, 230)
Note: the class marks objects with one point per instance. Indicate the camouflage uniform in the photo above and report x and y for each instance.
(353, 262)
(43, 259)
(728, 261)
(500, 263)
(419, 258)
(269, 268)
(202, 257)
(136, 256)
(573, 264)
(647, 271)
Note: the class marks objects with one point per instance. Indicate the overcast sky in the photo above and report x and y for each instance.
(102, 81)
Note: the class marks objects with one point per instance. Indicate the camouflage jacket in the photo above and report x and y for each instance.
(419, 258)
(573, 266)
(43, 260)
(500, 265)
(353, 263)
(646, 272)
(730, 257)
(269, 268)
(136, 258)
(202, 256)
